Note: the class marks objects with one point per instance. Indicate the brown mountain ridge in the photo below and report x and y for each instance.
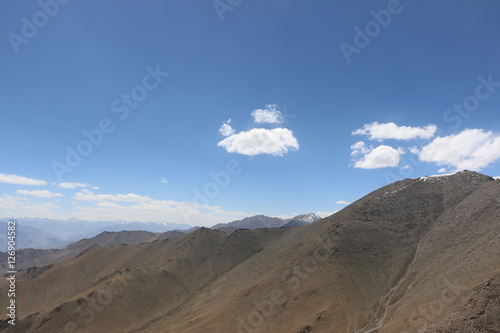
(418, 255)
(29, 257)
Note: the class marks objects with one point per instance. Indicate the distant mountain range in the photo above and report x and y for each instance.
(29, 236)
(41, 233)
(37, 247)
(262, 221)
(29, 257)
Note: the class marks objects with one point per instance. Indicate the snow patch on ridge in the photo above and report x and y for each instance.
(440, 175)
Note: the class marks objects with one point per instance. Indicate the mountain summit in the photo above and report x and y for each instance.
(307, 218)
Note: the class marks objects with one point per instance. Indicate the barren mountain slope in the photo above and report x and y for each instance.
(40, 257)
(460, 253)
(419, 255)
(373, 267)
(109, 289)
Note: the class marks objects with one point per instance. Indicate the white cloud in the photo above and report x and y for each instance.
(72, 185)
(21, 207)
(40, 193)
(277, 141)
(143, 208)
(106, 204)
(380, 157)
(226, 129)
(359, 148)
(164, 180)
(442, 170)
(125, 207)
(342, 202)
(270, 115)
(414, 150)
(406, 167)
(379, 132)
(87, 195)
(471, 149)
(19, 180)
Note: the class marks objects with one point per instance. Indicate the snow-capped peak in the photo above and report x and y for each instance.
(309, 218)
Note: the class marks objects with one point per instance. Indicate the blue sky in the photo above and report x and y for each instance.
(203, 112)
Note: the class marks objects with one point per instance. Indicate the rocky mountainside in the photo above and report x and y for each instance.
(29, 257)
(418, 255)
(293, 223)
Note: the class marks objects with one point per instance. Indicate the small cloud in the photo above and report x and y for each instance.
(380, 132)
(414, 150)
(19, 180)
(39, 193)
(380, 157)
(405, 167)
(359, 148)
(164, 180)
(442, 170)
(277, 142)
(342, 202)
(269, 115)
(107, 204)
(226, 129)
(87, 195)
(72, 185)
(471, 149)
(21, 206)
